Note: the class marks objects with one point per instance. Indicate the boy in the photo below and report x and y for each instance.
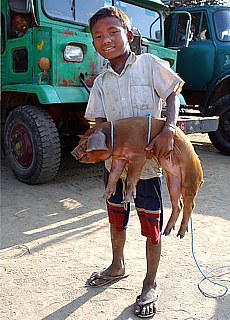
(20, 24)
(130, 86)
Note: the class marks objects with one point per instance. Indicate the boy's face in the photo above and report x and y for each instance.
(20, 24)
(110, 39)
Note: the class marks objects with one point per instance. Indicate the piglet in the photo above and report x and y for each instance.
(125, 140)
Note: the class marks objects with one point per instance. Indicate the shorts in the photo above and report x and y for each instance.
(148, 203)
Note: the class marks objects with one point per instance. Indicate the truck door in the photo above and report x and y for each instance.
(195, 62)
(19, 55)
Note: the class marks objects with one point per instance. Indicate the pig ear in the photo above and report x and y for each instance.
(96, 142)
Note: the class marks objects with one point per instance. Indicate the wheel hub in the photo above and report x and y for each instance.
(21, 145)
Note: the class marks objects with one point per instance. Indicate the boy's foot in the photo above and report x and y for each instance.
(146, 308)
(101, 278)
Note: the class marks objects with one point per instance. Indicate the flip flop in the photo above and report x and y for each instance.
(105, 279)
(141, 304)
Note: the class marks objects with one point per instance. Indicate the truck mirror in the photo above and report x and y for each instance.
(188, 33)
(22, 6)
(135, 45)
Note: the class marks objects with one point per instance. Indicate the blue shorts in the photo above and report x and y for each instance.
(148, 203)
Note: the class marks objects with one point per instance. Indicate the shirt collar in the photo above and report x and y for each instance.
(131, 59)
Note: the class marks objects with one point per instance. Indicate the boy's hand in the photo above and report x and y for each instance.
(162, 144)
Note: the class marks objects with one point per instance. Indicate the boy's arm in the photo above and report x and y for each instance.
(162, 144)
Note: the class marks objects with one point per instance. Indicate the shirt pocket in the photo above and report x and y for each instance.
(141, 97)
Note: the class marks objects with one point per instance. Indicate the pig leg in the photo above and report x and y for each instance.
(189, 205)
(117, 167)
(174, 188)
(189, 192)
(134, 172)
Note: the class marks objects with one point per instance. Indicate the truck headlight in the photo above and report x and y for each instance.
(73, 53)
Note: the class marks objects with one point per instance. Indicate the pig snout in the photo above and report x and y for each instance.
(75, 153)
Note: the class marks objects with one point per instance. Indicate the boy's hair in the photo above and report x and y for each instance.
(110, 12)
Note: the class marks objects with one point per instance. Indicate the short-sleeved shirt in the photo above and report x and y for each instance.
(137, 91)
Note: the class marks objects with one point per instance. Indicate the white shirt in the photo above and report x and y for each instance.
(137, 91)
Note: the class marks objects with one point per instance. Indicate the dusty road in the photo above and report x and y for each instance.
(54, 236)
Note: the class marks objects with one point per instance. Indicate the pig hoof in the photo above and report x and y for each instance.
(167, 232)
(181, 234)
(169, 227)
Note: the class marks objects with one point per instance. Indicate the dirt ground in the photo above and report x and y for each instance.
(54, 236)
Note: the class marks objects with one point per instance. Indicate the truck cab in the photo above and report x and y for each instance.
(204, 63)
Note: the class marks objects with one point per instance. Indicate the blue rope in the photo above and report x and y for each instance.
(112, 134)
(205, 276)
(149, 126)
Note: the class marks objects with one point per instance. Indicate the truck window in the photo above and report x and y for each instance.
(72, 10)
(22, 6)
(222, 24)
(204, 33)
(20, 60)
(199, 29)
(195, 27)
(147, 21)
(181, 28)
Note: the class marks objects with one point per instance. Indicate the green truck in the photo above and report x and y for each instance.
(204, 63)
(47, 74)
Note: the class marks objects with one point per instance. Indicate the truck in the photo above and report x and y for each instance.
(204, 64)
(47, 73)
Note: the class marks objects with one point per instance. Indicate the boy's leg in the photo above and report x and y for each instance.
(150, 211)
(118, 218)
(146, 302)
(116, 270)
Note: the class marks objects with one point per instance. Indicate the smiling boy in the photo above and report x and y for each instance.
(20, 24)
(128, 86)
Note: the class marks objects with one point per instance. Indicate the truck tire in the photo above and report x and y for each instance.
(32, 145)
(221, 137)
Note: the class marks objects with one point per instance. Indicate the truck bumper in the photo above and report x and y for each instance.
(198, 124)
(48, 94)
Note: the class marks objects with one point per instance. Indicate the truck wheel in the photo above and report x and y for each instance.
(221, 137)
(32, 145)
